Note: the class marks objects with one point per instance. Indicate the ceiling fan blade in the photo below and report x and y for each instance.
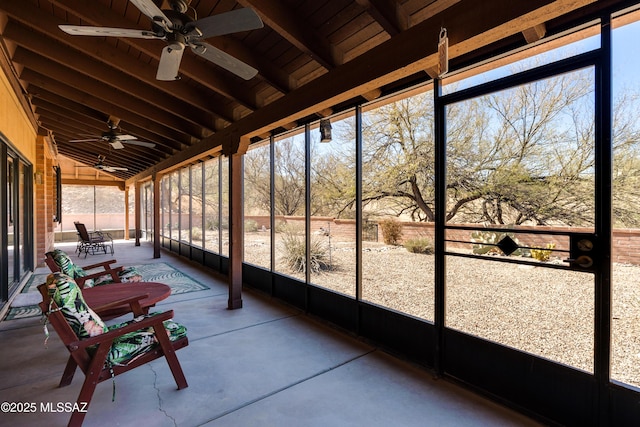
(115, 168)
(154, 13)
(170, 62)
(81, 30)
(125, 137)
(140, 143)
(117, 145)
(229, 22)
(86, 140)
(224, 60)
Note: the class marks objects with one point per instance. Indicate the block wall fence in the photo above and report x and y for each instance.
(626, 242)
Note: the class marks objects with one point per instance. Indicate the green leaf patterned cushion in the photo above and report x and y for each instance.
(85, 323)
(68, 297)
(129, 274)
(67, 266)
(129, 346)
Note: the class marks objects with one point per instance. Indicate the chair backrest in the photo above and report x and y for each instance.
(82, 231)
(62, 327)
(58, 260)
(51, 262)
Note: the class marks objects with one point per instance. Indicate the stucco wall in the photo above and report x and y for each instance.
(20, 135)
(14, 123)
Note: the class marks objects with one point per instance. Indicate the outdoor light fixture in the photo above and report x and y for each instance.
(325, 130)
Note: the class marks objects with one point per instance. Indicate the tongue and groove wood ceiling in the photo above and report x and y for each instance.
(313, 58)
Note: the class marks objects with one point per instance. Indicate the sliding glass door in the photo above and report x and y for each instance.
(16, 220)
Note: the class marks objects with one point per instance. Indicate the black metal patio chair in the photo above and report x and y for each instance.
(92, 242)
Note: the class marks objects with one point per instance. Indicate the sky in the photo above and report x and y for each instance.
(626, 59)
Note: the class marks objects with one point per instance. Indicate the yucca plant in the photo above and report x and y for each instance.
(294, 253)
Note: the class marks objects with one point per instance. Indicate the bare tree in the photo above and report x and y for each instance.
(519, 156)
(289, 184)
(523, 155)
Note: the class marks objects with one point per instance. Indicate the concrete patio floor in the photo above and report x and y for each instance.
(266, 364)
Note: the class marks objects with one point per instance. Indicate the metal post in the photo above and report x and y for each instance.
(439, 227)
(603, 219)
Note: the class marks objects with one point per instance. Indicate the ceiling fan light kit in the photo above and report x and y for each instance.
(179, 30)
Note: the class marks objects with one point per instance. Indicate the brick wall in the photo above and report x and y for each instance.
(44, 191)
(626, 242)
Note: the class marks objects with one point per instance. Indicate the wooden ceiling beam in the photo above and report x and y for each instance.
(372, 94)
(388, 13)
(98, 49)
(68, 131)
(143, 155)
(177, 139)
(61, 54)
(535, 33)
(277, 16)
(103, 91)
(268, 71)
(73, 181)
(65, 126)
(87, 114)
(470, 24)
(89, 152)
(75, 125)
(94, 13)
(81, 155)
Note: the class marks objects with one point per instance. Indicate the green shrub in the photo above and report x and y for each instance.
(543, 254)
(420, 245)
(250, 225)
(211, 224)
(196, 233)
(391, 231)
(281, 226)
(294, 253)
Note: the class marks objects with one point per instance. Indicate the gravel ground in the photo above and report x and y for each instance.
(543, 311)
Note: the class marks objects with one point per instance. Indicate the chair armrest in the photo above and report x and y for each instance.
(155, 321)
(111, 272)
(105, 264)
(133, 302)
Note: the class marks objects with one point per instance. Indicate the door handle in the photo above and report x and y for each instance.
(583, 261)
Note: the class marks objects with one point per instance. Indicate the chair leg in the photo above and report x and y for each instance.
(176, 369)
(172, 360)
(88, 387)
(69, 371)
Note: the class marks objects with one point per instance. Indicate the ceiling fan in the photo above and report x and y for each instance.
(102, 167)
(179, 30)
(115, 138)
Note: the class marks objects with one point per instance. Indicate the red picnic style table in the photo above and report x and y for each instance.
(116, 299)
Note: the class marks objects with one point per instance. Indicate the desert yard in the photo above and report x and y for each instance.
(544, 311)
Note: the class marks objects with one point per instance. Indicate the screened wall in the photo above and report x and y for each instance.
(467, 223)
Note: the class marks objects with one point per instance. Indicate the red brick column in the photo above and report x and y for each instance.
(44, 203)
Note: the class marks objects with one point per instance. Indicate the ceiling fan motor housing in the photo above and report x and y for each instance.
(179, 5)
(180, 23)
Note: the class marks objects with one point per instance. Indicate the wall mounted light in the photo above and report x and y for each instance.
(325, 130)
(39, 177)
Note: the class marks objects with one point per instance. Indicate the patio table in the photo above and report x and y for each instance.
(100, 296)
